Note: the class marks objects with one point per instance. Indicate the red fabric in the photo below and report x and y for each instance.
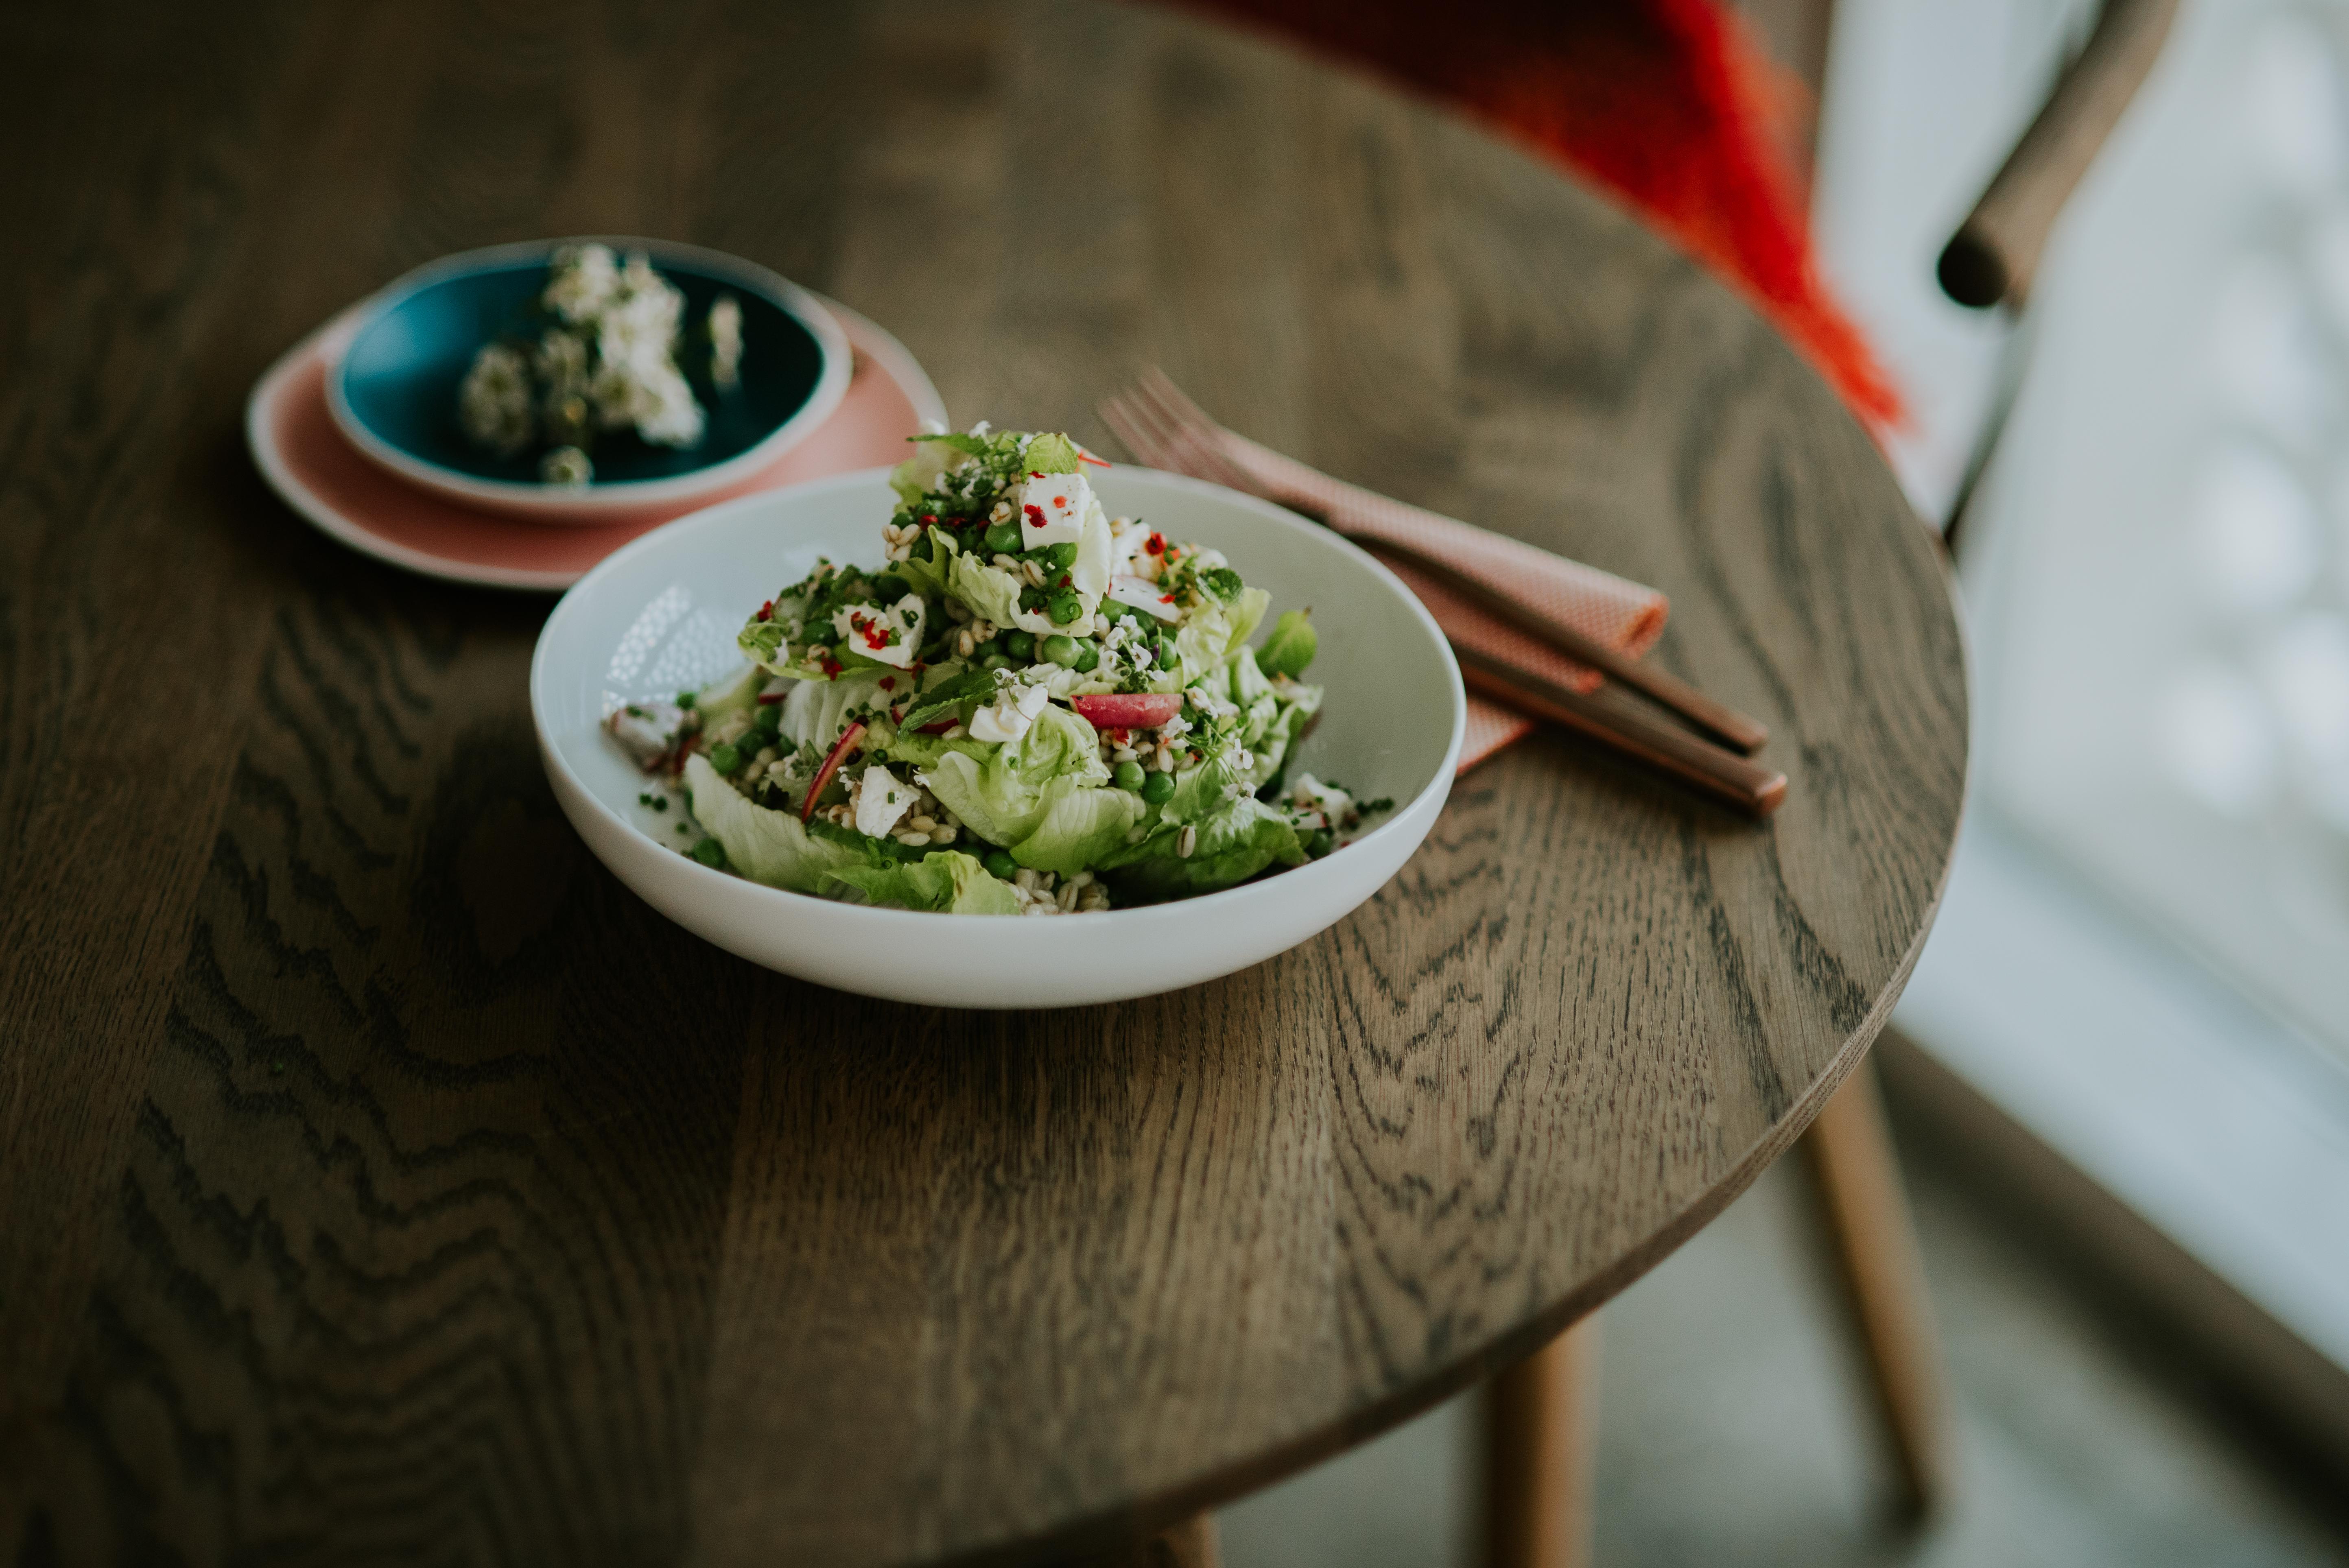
(1672, 104)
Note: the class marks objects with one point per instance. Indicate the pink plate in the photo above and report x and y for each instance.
(307, 460)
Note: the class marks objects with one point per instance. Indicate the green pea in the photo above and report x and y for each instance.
(1003, 538)
(1158, 789)
(709, 853)
(1062, 650)
(1319, 842)
(995, 662)
(1063, 556)
(770, 718)
(1032, 599)
(1088, 657)
(1128, 776)
(1066, 608)
(891, 588)
(999, 863)
(725, 757)
(1019, 645)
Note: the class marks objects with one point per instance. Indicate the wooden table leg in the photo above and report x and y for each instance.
(1875, 1242)
(1541, 1438)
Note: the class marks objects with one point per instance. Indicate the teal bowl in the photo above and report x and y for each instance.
(393, 395)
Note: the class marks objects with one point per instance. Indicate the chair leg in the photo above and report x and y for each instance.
(1540, 1439)
(1875, 1244)
(1190, 1544)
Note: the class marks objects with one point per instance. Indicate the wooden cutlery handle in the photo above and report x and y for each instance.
(1727, 776)
(1718, 719)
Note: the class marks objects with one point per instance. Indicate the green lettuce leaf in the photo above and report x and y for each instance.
(933, 456)
(925, 751)
(1292, 647)
(732, 695)
(817, 713)
(1004, 798)
(1050, 454)
(1235, 842)
(994, 594)
(929, 577)
(765, 845)
(944, 880)
(1080, 829)
(1210, 633)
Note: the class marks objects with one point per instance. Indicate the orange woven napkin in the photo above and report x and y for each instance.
(1627, 615)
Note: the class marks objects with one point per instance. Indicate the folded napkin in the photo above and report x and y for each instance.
(1626, 615)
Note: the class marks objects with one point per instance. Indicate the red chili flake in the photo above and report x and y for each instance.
(1034, 475)
(1064, 580)
(1084, 457)
(1035, 515)
(769, 699)
(767, 610)
(876, 635)
(889, 683)
(1059, 501)
(1155, 544)
(830, 666)
(929, 517)
(1167, 598)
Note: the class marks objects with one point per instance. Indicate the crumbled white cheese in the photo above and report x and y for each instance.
(999, 722)
(646, 730)
(1051, 509)
(1311, 794)
(1012, 714)
(890, 637)
(1144, 596)
(881, 799)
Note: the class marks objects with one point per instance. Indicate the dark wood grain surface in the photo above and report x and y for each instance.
(379, 1181)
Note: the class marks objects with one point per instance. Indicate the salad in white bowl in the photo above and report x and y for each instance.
(1027, 706)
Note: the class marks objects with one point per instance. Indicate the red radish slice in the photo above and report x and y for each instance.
(1128, 710)
(841, 748)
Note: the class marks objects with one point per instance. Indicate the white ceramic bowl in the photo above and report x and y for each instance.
(661, 615)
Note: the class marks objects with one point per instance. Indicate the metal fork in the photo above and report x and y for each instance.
(1167, 431)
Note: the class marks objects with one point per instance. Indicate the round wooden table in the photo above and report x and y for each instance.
(381, 1180)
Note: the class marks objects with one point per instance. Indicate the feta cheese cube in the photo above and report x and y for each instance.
(890, 637)
(1144, 595)
(1051, 509)
(881, 799)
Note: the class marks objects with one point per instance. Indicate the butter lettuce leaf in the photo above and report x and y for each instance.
(1236, 841)
(817, 713)
(1212, 631)
(1080, 828)
(945, 881)
(765, 845)
(1004, 796)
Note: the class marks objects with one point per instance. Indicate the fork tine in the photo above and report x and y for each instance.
(1165, 430)
(1187, 428)
(1122, 415)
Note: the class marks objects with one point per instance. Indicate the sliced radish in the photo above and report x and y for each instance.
(1128, 710)
(840, 748)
